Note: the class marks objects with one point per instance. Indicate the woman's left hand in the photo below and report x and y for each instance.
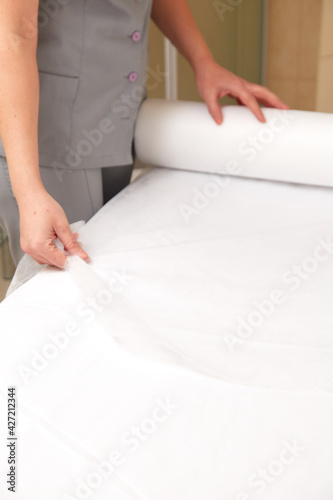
(213, 82)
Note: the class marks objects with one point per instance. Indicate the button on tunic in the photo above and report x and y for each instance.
(92, 59)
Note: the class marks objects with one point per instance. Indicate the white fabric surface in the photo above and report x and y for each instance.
(220, 416)
(28, 267)
(293, 146)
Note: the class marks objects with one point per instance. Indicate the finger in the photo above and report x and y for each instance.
(76, 236)
(247, 98)
(37, 252)
(266, 97)
(49, 255)
(53, 256)
(70, 243)
(214, 108)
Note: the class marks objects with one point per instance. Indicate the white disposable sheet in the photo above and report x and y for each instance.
(28, 267)
(294, 146)
(191, 359)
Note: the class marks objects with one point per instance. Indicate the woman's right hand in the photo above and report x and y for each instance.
(42, 220)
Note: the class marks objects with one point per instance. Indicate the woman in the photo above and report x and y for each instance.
(80, 66)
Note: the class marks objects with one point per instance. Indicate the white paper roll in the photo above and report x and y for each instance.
(292, 146)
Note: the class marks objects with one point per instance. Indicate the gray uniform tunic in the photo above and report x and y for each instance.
(92, 58)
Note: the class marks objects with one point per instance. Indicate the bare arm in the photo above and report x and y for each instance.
(41, 218)
(19, 93)
(174, 19)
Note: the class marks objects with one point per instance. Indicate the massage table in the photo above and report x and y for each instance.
(192, 358)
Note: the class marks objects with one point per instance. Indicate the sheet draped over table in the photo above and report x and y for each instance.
(192, 358)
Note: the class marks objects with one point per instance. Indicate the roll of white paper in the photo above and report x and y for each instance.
(292, 146)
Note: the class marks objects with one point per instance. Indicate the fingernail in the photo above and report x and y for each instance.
(84, 256)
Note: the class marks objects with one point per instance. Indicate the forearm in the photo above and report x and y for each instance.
(175, 20)
(19, 101)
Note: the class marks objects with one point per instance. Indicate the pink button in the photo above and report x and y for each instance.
(132, 76)
(136, 36)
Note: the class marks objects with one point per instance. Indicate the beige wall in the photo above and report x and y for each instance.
(325, 67)
(155, 78)
(234, 36)
(299, 49)
(293, 29)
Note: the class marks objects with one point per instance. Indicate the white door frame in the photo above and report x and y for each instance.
(171, 71)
